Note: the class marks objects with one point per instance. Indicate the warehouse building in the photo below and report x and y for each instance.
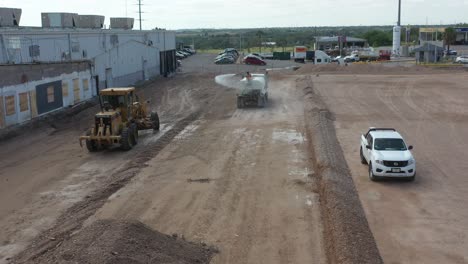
(330, 43)
(70, 58)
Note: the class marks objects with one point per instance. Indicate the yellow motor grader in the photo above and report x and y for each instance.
(119, 120)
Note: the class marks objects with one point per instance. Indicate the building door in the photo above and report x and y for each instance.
(109, 78)
(49, 97)
(96, 80)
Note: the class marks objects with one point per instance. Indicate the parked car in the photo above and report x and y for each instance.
(232, 51)
(258, 55)
(337, 58)
(462, 59)
(191, 52)
(180, 55)
(254, 60)
(450, 53)
(226, 55)
(225, 60)
(352, 58)
(387, 154)
(185, 53)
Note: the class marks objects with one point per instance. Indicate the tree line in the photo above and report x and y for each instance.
(287, 37)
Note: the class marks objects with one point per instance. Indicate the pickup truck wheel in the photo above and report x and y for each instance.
(363, 160)
(372, 177)
(411, 179)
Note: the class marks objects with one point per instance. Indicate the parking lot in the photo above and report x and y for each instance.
(205, 63)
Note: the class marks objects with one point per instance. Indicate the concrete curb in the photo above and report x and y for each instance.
(347, 235)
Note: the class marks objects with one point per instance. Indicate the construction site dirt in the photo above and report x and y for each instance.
(247, 185)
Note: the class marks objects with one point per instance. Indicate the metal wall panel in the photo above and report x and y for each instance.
(49, 97)
(2, 114)
(76, 91)
(23, 102)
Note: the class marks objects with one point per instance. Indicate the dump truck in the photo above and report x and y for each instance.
(253, 90)
(121, 116)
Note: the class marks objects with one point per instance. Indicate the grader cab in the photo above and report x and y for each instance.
(122, 115)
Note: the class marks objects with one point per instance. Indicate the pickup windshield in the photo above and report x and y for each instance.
(389, 144)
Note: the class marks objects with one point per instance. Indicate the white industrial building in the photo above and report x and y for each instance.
(101, 57)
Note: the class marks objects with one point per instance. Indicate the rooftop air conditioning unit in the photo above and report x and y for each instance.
(121, 22)
(10, 17)
(90, 21)
(59, 20)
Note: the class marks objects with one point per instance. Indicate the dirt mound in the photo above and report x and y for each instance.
(348, 238)
(117, 242)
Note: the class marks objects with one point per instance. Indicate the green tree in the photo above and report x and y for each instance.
(378, 38)
(450, 36)
(260, 34)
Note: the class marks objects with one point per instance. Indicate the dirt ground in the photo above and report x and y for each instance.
(44, 172)
(244, 181)
(424, 221)
(239, 180)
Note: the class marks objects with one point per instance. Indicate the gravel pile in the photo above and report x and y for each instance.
(119, 242)
(347, 235)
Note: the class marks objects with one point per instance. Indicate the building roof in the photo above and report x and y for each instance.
(428, 47)
(335, 39)
(431, 29)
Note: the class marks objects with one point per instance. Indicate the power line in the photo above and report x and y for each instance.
(139, 13)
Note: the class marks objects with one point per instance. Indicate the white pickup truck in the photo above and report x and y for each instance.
(387, 154)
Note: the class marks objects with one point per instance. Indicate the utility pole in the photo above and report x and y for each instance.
(139, 12)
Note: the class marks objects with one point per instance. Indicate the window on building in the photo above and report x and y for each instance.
(10, 105)
(50, 94)
(85, 85)
(319, 60)
(23, 100)
(64, 89)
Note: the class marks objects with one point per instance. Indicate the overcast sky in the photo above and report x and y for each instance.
(179, 14)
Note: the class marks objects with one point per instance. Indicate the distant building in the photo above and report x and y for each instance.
(462, 36)
(71, 58)
(431, 35)
(326, 43)
(429, 53)
(435, 36)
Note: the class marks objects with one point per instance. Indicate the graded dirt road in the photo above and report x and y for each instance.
(44, 172)
(238, 179)
(425, 221)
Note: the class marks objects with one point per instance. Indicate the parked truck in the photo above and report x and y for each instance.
(300, 54)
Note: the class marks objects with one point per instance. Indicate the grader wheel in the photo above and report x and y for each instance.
(155, 120)
(91, 145)
(126, 139)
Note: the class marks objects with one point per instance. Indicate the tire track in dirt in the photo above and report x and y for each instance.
(72, 220)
